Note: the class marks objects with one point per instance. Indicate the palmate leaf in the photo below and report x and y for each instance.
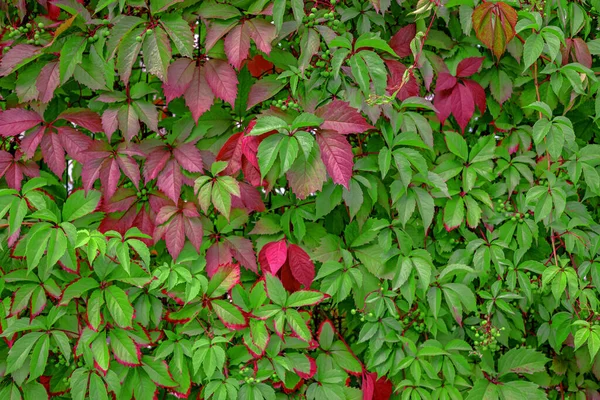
(494, 24)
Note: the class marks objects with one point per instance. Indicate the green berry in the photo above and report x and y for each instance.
(284, 107)
(138, 39)
(353, 311)
(106, 33)
(149, 31)
(362, 319)
(37, 42)
(41, 25)
(28, 25)
(313, 10)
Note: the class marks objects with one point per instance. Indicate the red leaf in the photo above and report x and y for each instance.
(198, 96)
(194, 231)
(443, 104)
(576, 50)
(301, 265)
(31, 141)
(469, 66)
(263, 33)
(400, 42)
(237, 45)
(463, 105)
(232, 153)
(395, 81)
(109, 176)
(342, 118)
(250, 199)
(445, 81)
(189, 157)
(53, 152)
(74, 142)
(272, 256)
(110, 123)
(179, 77)
(257, 65)
(376, 389)
(15, 56)
(17, 120)
(83, 117)
(222, 79)
(217, 255)
(175, 236)
(170, 180)
(337, 156)
(477, 92)
(243, 251)
(47, 81)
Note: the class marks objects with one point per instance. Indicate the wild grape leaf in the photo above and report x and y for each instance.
(180, 33)
(217, 255)
(301, 266)
(179, 77)
(157, 52)
(126, 210)
(101, 161)
(13, 167)
(47, 81)
(307, 174)
(222, 80)
(237, 45)
(174, 224)
(494, 25)
(18, 56)
(198, 96)
(576, 50)
(396, 82)
(272, 256)
(400, 42)
(240, 151)
(458, 96)
(83, 117)
(242, 250)
(339, 116)
(164, 164)
(375, 388)
(15, 121)
(262, 33)
(337, 156)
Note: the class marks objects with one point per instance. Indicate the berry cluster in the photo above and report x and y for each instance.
(141, 194)
(510, 212)
(322, 66)
(32, 32)
(95, 35)
(285, 104)
(485, 336)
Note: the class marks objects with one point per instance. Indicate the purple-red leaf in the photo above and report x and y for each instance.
(83, 117)
(301, 265)
(400, 42)
(469, 66)
(17, 120)
(237, 45)
(222, 79)
(337, 156)
(199, 96)
(47, 81)
(342, 118)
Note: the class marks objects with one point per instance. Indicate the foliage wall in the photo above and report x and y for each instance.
(271, 199)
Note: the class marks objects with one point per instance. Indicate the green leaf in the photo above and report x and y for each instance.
(532, 50)
(119, 306)
(457, 145)
(266, 124)
(303, 298)
(79, 204)
(522, 361)
(20, 351)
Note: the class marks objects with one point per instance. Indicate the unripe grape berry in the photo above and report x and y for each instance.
(41, 25)
(149, 31)
(138, 39)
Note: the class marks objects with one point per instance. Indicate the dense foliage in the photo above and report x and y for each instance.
(270, 199)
